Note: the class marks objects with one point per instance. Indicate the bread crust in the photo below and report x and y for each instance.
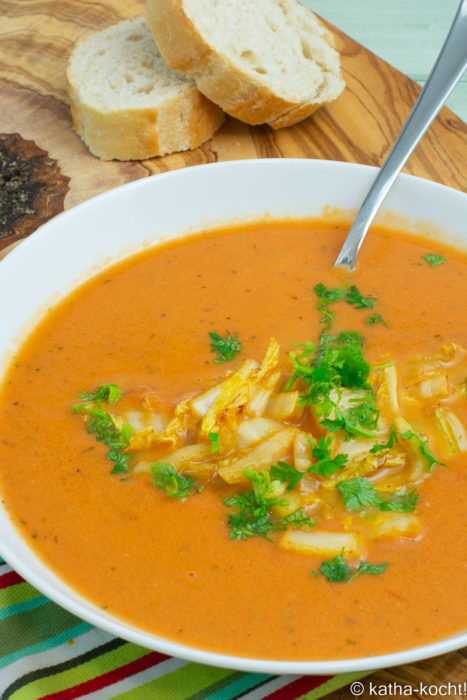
(238, 93)
(135, 133)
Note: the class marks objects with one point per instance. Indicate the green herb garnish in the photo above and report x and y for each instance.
(326, 297)
(375, 318)
(410, 435)
(166, 477)
(433, 260)
(357, 493)
(424, 449)
(105, 392)
(386, 445)
(214, 438)
(359, 421)
(366, 568)
(360, 492)
(325, 465)
(337, 571)
(226, 348)
(285, 472)
(354, 298)
(254, 517)
(338, 361)
(330, 295)
(401, 502)
(298, 518)
(101, 424)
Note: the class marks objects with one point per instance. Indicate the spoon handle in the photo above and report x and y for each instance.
(448, 69)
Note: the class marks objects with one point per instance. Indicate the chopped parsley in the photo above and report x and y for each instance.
(354, 298)
(325, 465)
(285, 472)
(326, 297)
(253, 517)
(338, 361)
(330, 295)
(101, 424)
(386, 445)
(342, 357)
(105, 392)
(410, 435)
(359, 421)
(375, 318)
(337, 571)
(424, 449)
(226, 348)
(357, 493)
(433, 260)
(298, 518)
(214, 438)
(366, 568)
(401, 502)
(360, 492)
(167, 478)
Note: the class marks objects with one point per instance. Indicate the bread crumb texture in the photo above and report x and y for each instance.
(127, 104)
(260, 60)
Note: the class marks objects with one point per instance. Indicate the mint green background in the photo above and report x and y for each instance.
(408, 34)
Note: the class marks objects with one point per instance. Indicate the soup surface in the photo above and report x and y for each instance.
(162, 549)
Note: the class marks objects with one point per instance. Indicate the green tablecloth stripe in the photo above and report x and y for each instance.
(234, 686)
(181, 684)
(26, 605)
(78, 670)
(19, 593)
(34, 626)
(46, 651)
(334, 683)
(48, 643)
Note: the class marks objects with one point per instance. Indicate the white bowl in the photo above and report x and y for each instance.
(71, 246)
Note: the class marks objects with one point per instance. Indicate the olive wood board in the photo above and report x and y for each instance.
(50, 163)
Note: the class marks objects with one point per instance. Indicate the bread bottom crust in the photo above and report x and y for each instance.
(180, 124)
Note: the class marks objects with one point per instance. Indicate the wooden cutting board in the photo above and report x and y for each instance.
(50, 168)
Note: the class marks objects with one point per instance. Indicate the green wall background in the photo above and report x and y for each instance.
(408, 34)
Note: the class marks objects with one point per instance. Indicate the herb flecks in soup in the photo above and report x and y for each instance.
(257, 463)
(253, 427)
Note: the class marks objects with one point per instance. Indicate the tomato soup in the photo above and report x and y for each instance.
(371, 559)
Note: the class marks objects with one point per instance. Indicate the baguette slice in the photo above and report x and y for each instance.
(127, 104)
(260, 60)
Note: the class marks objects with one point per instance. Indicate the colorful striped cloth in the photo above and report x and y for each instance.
(48, 653)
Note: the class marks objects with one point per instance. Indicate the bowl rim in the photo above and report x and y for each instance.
(78, 605)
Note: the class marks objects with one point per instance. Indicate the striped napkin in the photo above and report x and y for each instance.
(48, 653)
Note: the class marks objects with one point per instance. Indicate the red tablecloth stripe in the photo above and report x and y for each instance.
(151, 659)
(10, 579)
(298, 687)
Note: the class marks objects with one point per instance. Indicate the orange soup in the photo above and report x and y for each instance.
(229, 443)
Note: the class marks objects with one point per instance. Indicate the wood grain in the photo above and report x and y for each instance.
(35, 41)
(359, 127)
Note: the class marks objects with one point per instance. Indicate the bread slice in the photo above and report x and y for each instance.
(127, 104)
(260, 60)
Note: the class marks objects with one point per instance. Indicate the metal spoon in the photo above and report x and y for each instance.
(448, 69)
